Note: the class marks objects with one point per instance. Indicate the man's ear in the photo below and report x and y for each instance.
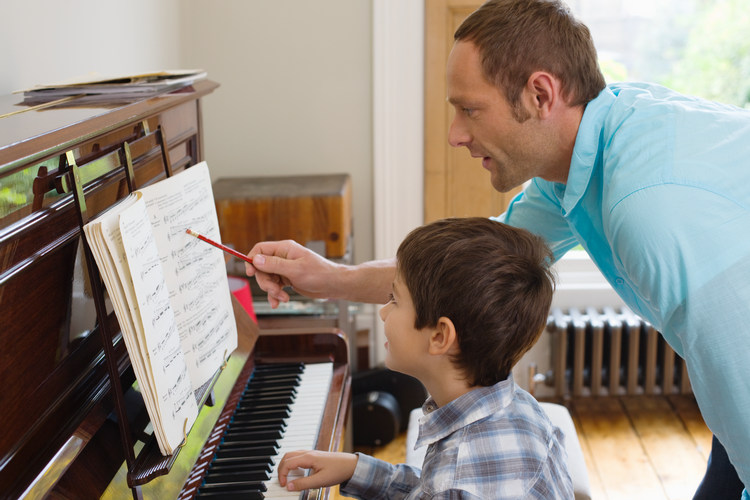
(443, 337)
(543, 91)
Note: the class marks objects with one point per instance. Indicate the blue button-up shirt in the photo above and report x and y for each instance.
(490, 443)
(658, 194)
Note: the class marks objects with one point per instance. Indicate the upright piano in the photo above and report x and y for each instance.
(72, 422)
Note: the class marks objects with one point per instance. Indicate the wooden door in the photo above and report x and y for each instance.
(455, 184)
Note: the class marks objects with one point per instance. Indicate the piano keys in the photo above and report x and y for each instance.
(325, 380)
(280, 410)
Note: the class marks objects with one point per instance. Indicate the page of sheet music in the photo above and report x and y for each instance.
(195, 271)
(159, 335)
(105, 242)
(103, 235)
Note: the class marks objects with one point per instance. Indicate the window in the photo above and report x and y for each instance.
(698, 47)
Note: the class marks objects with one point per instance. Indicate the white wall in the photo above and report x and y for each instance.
(296, 78)
(45, 41)
(296, 91)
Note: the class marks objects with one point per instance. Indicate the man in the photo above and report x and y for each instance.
(654, 185)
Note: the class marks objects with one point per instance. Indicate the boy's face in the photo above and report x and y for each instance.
(404, 344)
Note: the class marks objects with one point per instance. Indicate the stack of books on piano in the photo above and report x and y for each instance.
(96, 89)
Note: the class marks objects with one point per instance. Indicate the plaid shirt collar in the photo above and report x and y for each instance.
(475, 405)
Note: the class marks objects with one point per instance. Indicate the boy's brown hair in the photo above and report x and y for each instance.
(517, 37)
(493, 281)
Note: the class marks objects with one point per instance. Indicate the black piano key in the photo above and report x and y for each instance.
(228, 486)
(284, 400)
(254, 434)
(233, 444)
(257, 406)
(247, 451)
(263, 415)
(243, 466)
(276, 384)
(247, 422)
(261, 461)
(235, 477)
(280, 411)
(269, 395)
(243, 427)
(260, 391)
(275, 376)
(268, 387)
(240, 426)
(238, 495)
(246, 486)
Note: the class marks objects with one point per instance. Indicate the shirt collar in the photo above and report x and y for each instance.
(475, 405)
(585, 150)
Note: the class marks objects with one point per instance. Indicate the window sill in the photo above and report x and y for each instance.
(580, 284)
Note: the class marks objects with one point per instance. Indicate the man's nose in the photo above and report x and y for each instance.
(458, 135)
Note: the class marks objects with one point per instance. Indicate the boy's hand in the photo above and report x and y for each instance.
(328, 469)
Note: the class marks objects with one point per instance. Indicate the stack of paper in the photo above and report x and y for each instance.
(99, 89)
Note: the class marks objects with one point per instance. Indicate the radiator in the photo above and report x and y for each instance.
(608, 352)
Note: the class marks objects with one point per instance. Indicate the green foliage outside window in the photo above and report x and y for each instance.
(716, 59)
(16, 190)
(697, 47)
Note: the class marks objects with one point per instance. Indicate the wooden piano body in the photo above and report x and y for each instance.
(61, 435)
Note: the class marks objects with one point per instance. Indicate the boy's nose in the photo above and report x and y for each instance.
(382, 312)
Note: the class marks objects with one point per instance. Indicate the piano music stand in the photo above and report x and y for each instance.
(149, 463)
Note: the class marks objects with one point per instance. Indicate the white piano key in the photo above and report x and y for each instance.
(303, 423)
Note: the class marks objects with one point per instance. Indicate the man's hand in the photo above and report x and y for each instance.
(327, 469)
(277, 264)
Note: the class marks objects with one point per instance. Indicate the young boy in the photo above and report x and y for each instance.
(470, 297)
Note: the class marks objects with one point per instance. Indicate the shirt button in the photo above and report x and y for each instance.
(619, 281)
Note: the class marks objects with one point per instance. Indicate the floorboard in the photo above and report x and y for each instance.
(618, 457)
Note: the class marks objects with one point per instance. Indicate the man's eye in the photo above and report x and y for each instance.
(468, 111)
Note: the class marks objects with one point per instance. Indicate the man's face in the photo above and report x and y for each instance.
(485, 124)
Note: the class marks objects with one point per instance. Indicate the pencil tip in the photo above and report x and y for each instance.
(190, 232)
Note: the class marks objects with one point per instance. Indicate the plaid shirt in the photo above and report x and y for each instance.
(492, 443)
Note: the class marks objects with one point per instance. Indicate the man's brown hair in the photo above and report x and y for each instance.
(493, 281)
(518, 37)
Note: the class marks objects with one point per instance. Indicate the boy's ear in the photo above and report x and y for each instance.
(443, 337)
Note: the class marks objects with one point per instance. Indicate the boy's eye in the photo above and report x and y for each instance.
(391, 298)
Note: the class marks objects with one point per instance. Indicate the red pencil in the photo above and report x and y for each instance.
(219, 246)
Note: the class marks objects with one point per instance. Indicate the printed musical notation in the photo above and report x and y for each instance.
(170, 294)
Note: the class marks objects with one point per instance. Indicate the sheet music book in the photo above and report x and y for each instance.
(170, 294)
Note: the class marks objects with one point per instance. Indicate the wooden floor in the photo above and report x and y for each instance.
(639, 447)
